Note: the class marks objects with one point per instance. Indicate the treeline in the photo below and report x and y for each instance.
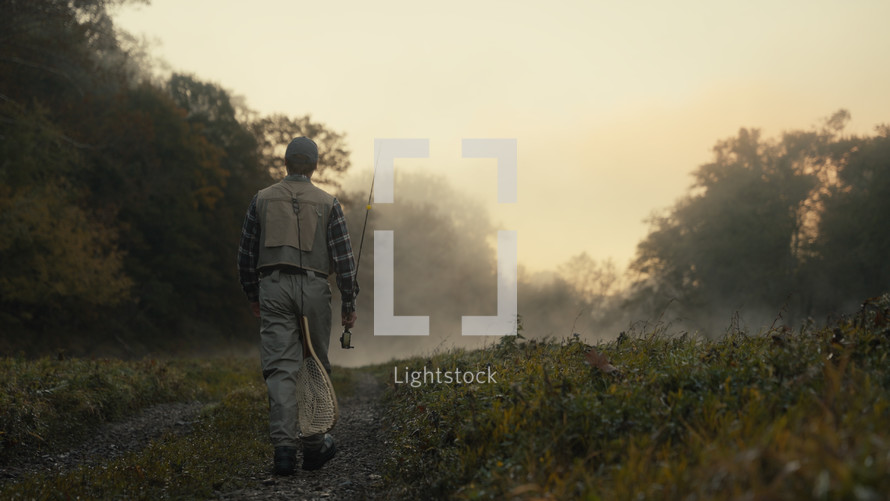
(781, 229)
(122, 194)
(772, 232)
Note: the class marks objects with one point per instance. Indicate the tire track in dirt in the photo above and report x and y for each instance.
(109, 441)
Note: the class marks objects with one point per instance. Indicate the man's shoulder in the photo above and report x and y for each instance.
(272, 188)
(296, 188)
(320, 193)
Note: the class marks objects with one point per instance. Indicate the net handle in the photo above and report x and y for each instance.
(308, 351)
(304, 331)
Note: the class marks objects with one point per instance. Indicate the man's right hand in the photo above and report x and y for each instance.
(349, 320)
(255, 308)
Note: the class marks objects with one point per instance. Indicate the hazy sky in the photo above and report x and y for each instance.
(612, 103)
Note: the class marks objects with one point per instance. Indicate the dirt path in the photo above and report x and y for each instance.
(354, 473)
(110, 441)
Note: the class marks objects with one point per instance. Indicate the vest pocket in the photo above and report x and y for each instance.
(283, 220)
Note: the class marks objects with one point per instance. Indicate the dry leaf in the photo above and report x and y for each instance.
(598, 360)
(524, 489)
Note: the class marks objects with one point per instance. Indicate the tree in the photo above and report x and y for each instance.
(273, 134)
(58, 51)
(55, 254)
(122, 199)
(593, 280)
(166, 182)
(850, 252)
(733, 243)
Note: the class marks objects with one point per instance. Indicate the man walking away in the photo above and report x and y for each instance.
(293, 237)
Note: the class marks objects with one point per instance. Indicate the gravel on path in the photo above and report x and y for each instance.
(353, 474)
(110, 441)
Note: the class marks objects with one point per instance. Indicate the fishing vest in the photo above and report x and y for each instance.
(294, 218)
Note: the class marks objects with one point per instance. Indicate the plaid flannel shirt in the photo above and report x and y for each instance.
(339, 248)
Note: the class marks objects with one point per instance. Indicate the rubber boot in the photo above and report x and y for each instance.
(285, 462)
(315, 459)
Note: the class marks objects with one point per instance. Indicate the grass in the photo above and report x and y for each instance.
(223, 452)
(779, 415)
(782, 415)
(47, 404)
(44, 401)
(220, 454)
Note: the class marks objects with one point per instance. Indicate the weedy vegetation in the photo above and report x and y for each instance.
(779, 415)
(46, 402)
(783, 414)
(223, 451)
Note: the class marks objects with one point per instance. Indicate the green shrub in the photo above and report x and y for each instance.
(786, 415)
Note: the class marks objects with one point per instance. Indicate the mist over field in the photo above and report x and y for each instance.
(773, 233)
(445, 268)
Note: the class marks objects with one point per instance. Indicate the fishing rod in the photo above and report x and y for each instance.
(346, 336)
(367, 211)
